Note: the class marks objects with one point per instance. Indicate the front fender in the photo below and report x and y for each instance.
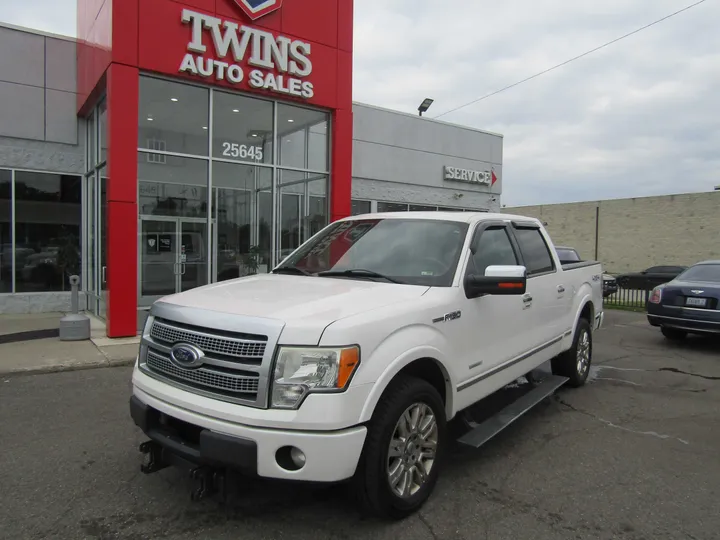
(392, 355)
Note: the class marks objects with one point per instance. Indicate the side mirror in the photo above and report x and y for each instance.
(498, 280)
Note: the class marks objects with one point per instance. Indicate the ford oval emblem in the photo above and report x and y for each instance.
(186, 356)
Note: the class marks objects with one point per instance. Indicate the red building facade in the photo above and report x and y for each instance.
(220, 138)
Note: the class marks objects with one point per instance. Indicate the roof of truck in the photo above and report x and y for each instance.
(464, 217)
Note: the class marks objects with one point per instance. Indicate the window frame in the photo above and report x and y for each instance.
(526, 225)
(476, 236)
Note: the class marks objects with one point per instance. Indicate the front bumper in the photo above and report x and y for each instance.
(330, 456)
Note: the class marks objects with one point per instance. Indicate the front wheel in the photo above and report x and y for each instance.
(575, 362)
(406, 440)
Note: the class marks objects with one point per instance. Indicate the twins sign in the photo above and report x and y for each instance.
(242, 53)
(258, 8)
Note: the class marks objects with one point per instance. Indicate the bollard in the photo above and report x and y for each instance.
(74, 326)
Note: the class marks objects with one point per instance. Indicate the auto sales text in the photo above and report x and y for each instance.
(263, 50)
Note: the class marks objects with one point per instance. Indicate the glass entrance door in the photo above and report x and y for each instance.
(172, 256)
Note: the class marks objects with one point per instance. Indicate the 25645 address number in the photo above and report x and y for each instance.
(242, 151)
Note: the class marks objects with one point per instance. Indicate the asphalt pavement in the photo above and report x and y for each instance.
(632, 455)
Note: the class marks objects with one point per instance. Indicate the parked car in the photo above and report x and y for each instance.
(688, 304)
(568, 255)
(649, 278)
(348, 360)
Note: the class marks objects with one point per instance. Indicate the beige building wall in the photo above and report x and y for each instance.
(634, 234)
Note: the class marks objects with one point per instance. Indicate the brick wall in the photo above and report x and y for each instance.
(633, 234)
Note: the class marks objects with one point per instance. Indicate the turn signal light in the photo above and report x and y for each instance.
(510, 285)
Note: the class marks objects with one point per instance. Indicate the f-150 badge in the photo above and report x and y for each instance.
(448, 317)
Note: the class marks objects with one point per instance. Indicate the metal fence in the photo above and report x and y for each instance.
(628, 298)
(633, 293)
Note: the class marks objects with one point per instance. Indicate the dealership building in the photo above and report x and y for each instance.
(177, 143)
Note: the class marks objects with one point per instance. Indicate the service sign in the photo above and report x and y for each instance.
(483, 178)
(242, 54)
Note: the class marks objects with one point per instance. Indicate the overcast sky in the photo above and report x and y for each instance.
(637, 118)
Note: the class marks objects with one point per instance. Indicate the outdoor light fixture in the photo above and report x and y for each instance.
(290, 120)
(173, 99)
(236, 110)
(425, 105)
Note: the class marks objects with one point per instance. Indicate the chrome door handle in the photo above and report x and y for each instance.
(527, 299)
(182, 269)
(561, 289)
(102, 276)
(176, 268)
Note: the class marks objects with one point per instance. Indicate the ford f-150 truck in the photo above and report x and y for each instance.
(349, 359)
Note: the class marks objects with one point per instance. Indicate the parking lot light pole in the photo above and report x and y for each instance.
(425, 105)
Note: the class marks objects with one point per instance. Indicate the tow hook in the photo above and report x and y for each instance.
(152, 457)
(209, 482)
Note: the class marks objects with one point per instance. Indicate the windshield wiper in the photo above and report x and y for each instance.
(291, 270)
(357, 272)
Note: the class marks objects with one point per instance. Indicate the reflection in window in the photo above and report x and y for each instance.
(176, 114)
(422, 208)
(360, 207)
(302, 138)
(47, 217)
(5, 232)
(238, 249)
(242, 128)
(391, 207)
(177, 187)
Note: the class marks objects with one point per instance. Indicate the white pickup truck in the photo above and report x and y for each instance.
(348, 361)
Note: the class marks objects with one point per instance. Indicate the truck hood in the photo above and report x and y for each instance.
(306, 305)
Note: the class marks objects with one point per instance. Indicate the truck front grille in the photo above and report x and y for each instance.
(207, 378)
(249, 348)
(232, 366)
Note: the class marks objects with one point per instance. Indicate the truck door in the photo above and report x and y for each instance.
(546, 292)
(494, 327)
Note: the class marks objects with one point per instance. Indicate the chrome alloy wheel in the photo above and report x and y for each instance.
(412, 450)
(583, 353)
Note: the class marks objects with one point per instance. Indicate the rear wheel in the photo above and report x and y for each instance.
(673, 333)
(405, 443)
(575, 362)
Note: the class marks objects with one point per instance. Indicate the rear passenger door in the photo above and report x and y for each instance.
(546, 294)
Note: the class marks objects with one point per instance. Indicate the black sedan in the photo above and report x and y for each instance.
(651, 277)
(689, 304)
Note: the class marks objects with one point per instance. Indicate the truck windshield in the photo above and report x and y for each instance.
(409, 251)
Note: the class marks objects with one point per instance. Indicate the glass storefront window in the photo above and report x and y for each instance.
(242, 128)
(391, 207)
(172, 186)
(48, 216)
(91, 142)
(239, 249)
(302, 138)
(173, 117)
(360, 207)
(102, 131)
(6, 249)
(422, 208)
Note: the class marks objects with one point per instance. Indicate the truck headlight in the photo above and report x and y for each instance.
(303, 370)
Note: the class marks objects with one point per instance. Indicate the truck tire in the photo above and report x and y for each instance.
(409, 420)
(575, 362)
(673, 334)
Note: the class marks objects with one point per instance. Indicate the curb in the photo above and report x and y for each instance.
(61, 368)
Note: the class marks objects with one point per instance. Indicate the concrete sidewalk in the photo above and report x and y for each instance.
(49, 354)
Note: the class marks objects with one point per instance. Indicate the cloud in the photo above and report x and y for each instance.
(635, 118)
(632, 119)
(54, 16)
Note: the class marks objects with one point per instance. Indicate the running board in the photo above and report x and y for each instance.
(483, 432)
